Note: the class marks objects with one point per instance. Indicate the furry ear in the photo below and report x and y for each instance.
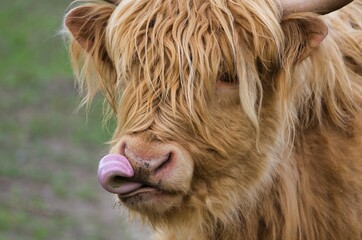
(87, 24)
(90, 60)
(303, 32)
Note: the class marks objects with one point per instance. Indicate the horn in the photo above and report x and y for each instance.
(317, 6)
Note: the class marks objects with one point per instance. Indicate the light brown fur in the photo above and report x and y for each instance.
(278, 154)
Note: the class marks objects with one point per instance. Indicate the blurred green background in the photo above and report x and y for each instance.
(48, 152)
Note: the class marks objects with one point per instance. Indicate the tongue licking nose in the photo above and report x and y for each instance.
(113, 172)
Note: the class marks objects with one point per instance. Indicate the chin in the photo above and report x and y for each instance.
(151, 201)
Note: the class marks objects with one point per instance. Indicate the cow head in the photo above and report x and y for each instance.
(198, 89)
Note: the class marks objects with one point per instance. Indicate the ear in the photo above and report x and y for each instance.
(87, 24)
(304, 32)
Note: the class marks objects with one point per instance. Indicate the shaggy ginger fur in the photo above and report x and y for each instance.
(266, 107)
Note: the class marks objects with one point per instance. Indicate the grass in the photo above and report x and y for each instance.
(48, 153)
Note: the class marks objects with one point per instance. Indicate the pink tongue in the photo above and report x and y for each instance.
(113, 171)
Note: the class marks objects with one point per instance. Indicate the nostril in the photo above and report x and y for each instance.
(116, 181)
(120, 185)
(163, 163)
(127, 187)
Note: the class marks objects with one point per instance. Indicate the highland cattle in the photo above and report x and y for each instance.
(236, 119)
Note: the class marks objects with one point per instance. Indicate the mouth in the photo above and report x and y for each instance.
(150, 199)
(144, 189)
